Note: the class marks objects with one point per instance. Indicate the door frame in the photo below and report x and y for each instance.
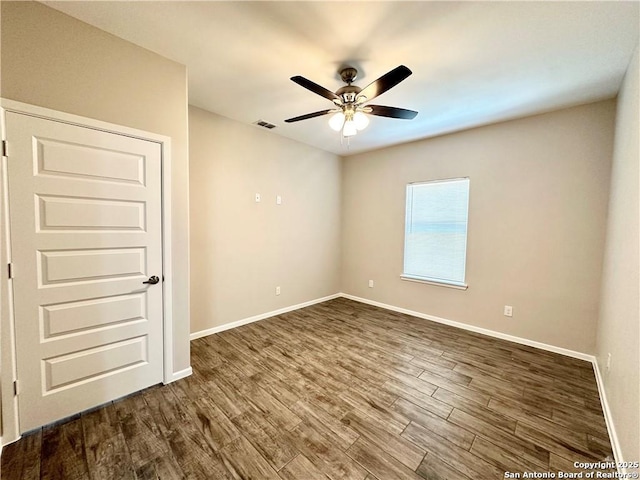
(8, 366)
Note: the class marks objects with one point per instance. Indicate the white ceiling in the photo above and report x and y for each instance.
(473, 63)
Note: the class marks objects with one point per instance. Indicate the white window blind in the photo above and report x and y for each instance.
(435, 239)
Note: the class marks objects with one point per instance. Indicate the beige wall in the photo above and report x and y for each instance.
(537, 216)
(242, 249)
(619, 326)
(52, 60)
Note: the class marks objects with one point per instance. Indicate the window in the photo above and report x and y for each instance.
(435, 237)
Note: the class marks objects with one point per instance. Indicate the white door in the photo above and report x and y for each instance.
(85, 219)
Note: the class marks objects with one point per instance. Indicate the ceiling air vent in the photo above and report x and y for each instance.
(262, 123)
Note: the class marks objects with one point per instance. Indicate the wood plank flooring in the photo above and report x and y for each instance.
(340, 391)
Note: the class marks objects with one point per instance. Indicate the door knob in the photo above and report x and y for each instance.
(152, 280)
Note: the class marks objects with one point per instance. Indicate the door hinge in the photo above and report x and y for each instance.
(10, 270)
(15, 387)
(4, 148)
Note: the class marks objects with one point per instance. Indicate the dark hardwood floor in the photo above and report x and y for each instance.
(339, 390)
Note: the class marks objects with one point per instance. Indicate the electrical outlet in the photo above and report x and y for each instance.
(370, 283)
(608, 362)
(277, 290)
(508, 311)
(278, 200)
(258, 198)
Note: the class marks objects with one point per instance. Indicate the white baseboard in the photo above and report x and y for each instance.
(473, 328)
(608, 417)
(413, 313)
(262, 316)
(181, 374)
(8, 442)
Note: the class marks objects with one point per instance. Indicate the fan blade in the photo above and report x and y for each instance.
(308, 115)
(384, 83)
(315, 88)
(391, 112)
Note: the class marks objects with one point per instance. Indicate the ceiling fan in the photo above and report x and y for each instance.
(350, 100)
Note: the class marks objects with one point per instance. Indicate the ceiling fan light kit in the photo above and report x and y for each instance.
(349, 115)
(349, 129)
(361, 120)
(337, 121)
(349, 122)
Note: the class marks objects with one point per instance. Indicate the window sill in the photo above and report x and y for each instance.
(434, 282)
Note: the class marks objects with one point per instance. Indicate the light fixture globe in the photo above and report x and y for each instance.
(361, 120)
(337, 121)
(349, 129)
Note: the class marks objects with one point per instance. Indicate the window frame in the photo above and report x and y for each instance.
(429, 280)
